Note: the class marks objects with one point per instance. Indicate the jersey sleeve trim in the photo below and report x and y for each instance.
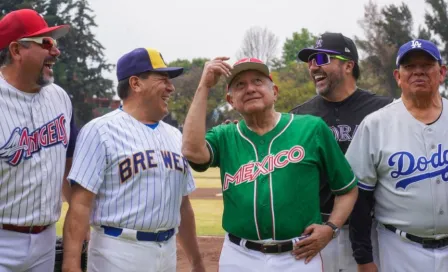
(212, 155)
(347, 187)
(365, 186)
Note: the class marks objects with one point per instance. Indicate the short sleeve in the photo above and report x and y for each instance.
(189, 184)
(360, 155)
(73, 135)
(89, 161)
(212, 140)
(340, 176)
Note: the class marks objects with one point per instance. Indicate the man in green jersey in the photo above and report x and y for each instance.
(270, 164)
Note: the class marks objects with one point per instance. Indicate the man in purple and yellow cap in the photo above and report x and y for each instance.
(36, 141)
(130, 178)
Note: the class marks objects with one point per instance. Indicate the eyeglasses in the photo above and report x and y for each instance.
(45, 42)
(322, 59)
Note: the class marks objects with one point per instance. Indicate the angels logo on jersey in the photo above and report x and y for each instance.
(22, 144)
(427, 167)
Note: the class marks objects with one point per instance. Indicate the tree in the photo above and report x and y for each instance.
(186, 86)
(259, 43)
(80, 67)
(437, 22)
(298, 41)
(385, 31)
(294, 84)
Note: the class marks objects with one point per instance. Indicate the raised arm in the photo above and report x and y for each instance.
(193, 141)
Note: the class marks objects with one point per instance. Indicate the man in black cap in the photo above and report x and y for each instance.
(334, 69)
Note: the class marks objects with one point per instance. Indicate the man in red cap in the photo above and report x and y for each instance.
(270, 164)
(36, 141)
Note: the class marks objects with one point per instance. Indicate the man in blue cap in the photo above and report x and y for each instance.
(400, 156)
(130, 178)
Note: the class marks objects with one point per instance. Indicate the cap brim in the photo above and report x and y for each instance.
(304, 54)
(416, 49)
(247, 66)
(55, 32)
(171, 71)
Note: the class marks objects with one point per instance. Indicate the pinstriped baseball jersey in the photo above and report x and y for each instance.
(34, 136)
(405, 162)
(137, 173)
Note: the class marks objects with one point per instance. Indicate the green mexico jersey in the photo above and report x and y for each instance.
(270, 183)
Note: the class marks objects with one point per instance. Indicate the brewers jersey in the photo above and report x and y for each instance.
(270, 183)
(137, 172)
(34, 143)
(343, 119)
(405, 162)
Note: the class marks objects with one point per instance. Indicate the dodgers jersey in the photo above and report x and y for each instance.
(34, 137)
(137, 173)
(405, 162)
(270, 183)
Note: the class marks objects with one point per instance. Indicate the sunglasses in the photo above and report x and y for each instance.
(322, 59)
(45, 42)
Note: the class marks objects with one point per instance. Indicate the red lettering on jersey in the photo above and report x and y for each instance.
(250, 171)
(51, 133)
(277, 162)
(62, 132)
(296, 149)
(23, 144)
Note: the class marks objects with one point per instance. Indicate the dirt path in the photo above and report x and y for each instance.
(210, 246)
(210, 250)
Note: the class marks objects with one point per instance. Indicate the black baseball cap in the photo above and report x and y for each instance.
(335, 44)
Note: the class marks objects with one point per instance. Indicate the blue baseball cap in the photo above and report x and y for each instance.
(419, 44)
(142, 60)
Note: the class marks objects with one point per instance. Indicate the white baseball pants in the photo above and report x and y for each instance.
(235, 258)
(118, 254)
(398, 254)
(337, 256)
(21, 252)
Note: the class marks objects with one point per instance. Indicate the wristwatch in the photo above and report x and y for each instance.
(334, 227)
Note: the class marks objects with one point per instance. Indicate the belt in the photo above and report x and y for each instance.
(264, 248)
(425, 242)
(160, 236)
(24, 229)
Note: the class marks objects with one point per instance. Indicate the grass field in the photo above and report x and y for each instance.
(207, 212)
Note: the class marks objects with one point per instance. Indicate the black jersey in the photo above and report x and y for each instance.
(343, 118)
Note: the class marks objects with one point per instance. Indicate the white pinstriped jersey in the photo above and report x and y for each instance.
(137, 173)
(405, 162)
(34, 136)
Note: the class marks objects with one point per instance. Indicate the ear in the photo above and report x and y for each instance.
(397, 77)
(135, 84)
(14, 50)
(442, 74)
(229, 98)
(275, 89)
(350, 66)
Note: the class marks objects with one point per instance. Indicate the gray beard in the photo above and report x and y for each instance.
(41, 81)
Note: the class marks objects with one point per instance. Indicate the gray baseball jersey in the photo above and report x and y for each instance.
(137, 172)
(34, 137)
(405, 162)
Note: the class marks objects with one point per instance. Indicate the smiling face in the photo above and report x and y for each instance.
(37, 59)
(419, 75)
(327, 77)
(251, 92)
(154, 91)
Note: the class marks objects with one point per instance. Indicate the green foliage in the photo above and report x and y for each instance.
(292, 46)
(81, 65)
(437, 22)
(294, 84)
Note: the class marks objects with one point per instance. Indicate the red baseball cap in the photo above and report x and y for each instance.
(25, 23)
(248, 64)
